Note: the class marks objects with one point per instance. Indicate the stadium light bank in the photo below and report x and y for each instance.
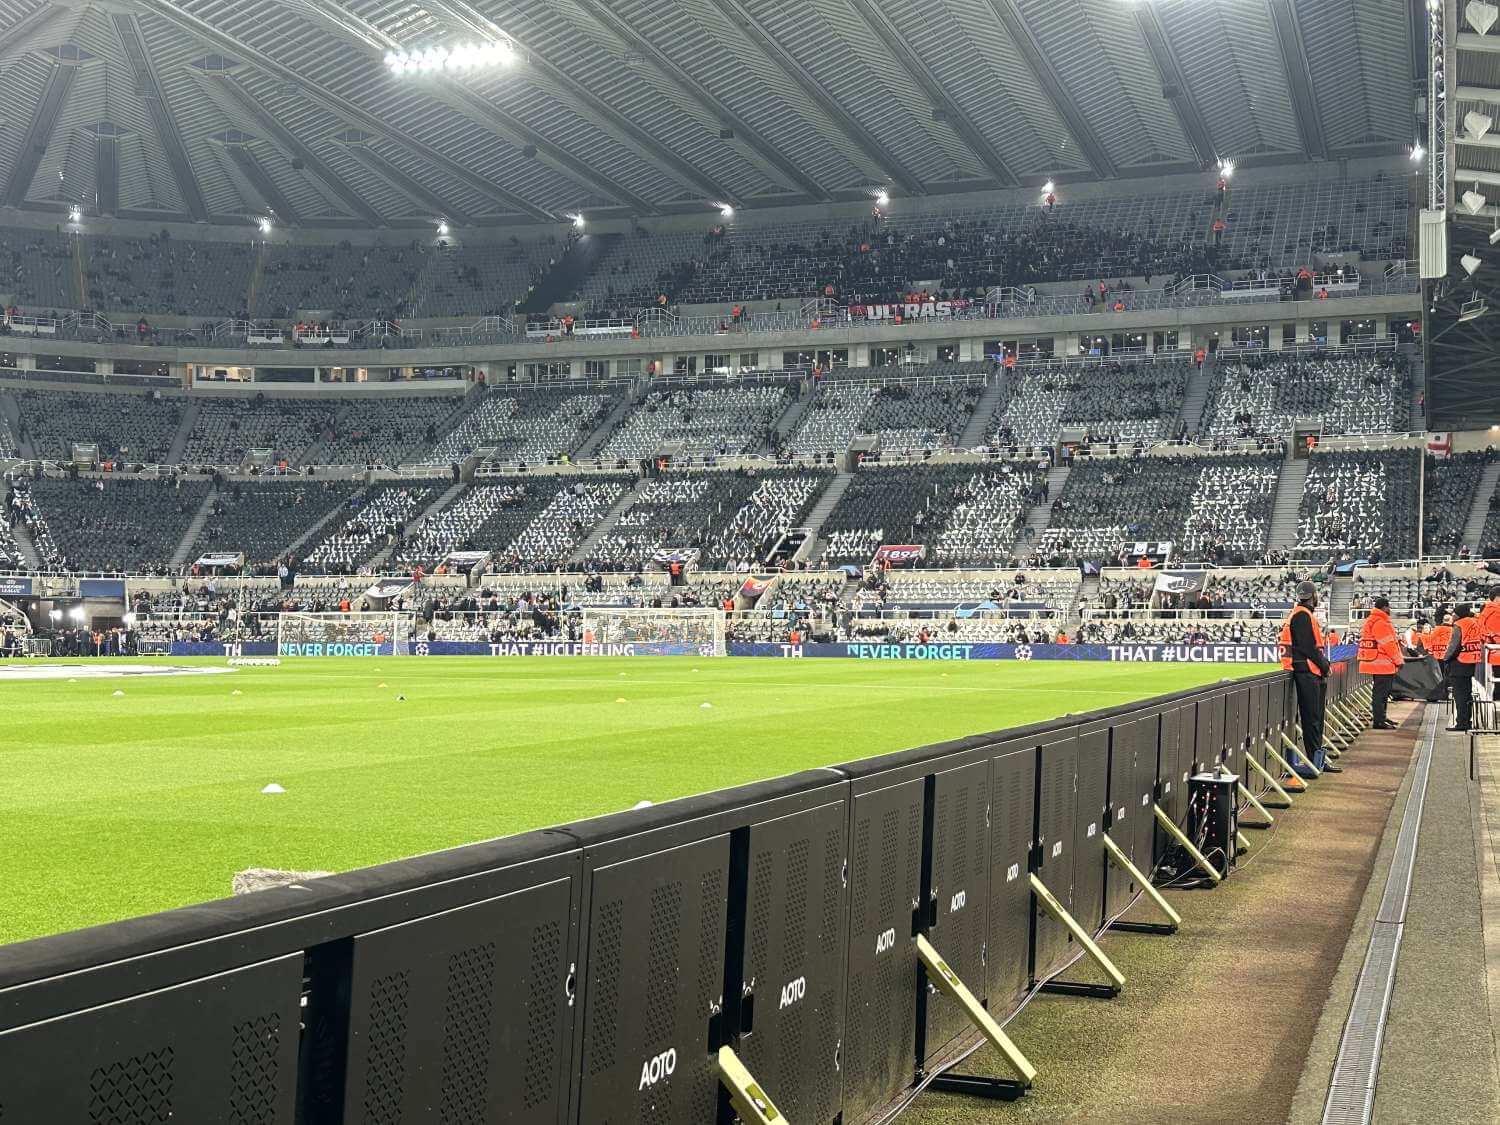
(463, 57)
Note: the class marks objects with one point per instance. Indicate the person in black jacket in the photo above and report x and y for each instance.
(1302, 654)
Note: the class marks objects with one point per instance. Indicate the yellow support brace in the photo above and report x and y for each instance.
(948, 981)
(1253, 801)
(1290, 777)
(1122, 861)
(750, 1101)
(1192, 849)
(1265, 775)
(1241, 842)
(1080, 935)
(1297, 752)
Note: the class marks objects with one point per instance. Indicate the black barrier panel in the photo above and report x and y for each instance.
(1132, 783)
(223, 1048)
(654, 979)
(1208, 748)
(1056, 823)
(885, 882)
(1012, 821)
(958, 901)
(466, 1015)
(1236, 728)
(1176, 759)
(1092, 788)
(1255, 719)
(796, 915)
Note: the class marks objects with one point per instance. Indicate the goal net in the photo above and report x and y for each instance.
(656, 632)
(343, 634)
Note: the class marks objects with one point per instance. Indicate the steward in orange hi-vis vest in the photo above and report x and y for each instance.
(1379, 657)
(1302, 655)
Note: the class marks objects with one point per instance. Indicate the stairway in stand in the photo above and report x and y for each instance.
(812, 547)
(1288, 503)
(1479, 510)
(1199, 384)
(978, 428)
(194, 529)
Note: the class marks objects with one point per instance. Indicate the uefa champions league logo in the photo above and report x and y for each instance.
(1023, 652)
(420, 648)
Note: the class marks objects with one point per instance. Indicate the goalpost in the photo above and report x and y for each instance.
(657, 632)
(343, 634)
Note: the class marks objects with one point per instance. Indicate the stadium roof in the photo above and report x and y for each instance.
(226, 110)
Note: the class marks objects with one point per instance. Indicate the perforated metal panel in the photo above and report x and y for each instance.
(1174, 766)
(464, 1017)
(220, 1049)
(1236, 728)
(1255, 718)
(885, 878)
(797, 914)
(960, 890)
(1131, 743)
(1209, 746)
(654, 978)
(1056, 830)
(1012, 829)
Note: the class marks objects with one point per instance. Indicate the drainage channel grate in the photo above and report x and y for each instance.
(1351, 1094)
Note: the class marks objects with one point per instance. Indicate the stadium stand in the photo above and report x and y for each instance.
(378, 519)
(671, 513)
(161, 274)
(571, 512)
(36, 268)
(489, 516)
(533, 426)
(705, 419)
(1109, 401)
(1349, 392)
(1217, 507)
(929, 412)
(262, 519)
(224, 433)
(126, 427)
(483, 279)
(780, 501)
(113, 524)
(1447, 496)
(342, 280)
(387, 431)
(1360, 504)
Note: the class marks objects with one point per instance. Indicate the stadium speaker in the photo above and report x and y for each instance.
(1470, 264)
(529, 152)
(726, 134)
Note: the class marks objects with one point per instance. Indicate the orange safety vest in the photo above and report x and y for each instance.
(1489, 621)
(1379, 655)
(1288, 659)
(1436, 641)
(1471, 646)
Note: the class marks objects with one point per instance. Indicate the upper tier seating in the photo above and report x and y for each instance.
(705, 419)
(390, 430)
(1113, 400)
(532, 426)
(114, 524)
(1447, 498)
(8, 446)
(344, 280)
(1489, 539)
(126, 427)
(161, 274)
(903, 413)
(16, 511)
(1033, 593)
(377, 519)
(970, 249)
(672, 512)
(1351, 393)
(225, 432)
(1362, 504)
(780, 501)
(263, 518)
(483, 278)
(1210, 507)
(36, 270)
(967, 514)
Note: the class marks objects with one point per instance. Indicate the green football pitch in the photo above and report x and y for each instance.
(118, 805)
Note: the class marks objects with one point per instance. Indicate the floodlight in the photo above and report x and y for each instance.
(1226, 168)
(883, 198)
(1472, 310)
(77, 613)
(1048, 187)
(578, 221)
(726, 210)
(1417, 152)
(75, 214)
(1470, 264)
(442, 226)
(129, 620)
(1477, 124)
(1481, 15)
(265, 225)
(1473, 201)
(55, 614)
